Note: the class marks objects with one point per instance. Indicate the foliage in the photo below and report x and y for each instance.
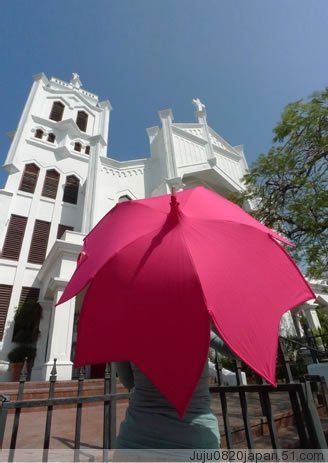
(289, 185)
(26, 332)
(323, 319)
(27, 319)
(19, 352)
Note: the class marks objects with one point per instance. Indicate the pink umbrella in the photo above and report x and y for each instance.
(161, 268)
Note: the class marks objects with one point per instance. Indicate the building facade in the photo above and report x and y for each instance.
(61, 182)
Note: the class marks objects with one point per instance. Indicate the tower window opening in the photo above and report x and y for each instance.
(77, 147)
(29, 178)
(57, 111)
(38, 133)
(51, 137)
(87, 149)
(50, 185)
(71, 189)
(82, 120)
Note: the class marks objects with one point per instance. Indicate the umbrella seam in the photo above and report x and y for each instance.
(203, 296)
(125, 204)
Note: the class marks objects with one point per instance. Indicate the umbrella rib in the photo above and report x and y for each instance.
(194, 267)
(125, 247)
(266, 230)
(125, 204)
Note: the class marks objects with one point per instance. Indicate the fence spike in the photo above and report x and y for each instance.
(81, 374)
(53, 373)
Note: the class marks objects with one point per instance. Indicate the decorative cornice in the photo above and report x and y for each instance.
(223, 142)
(70, 86)
(122, 172)
(62, 125)
(188, 125)
(225, 153)
(57, 91)
(71, 124)
(132, 164)
(189, 136)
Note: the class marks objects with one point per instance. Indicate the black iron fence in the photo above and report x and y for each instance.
(304, 396)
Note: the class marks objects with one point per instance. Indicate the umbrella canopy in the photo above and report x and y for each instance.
(159, 269)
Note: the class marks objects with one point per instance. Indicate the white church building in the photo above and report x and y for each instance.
(61, 182)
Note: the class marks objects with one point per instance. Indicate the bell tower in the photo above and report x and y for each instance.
(51, 165)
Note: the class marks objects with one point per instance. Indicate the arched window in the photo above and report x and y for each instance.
(51, 137)
(50, 185)
(87, 149)
(124, 198)
(57, 111)
(82, 120)
(38, 133)
(77, 147)
(71, 189)
(30, 178)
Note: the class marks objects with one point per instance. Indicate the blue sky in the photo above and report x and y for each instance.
(244, 59)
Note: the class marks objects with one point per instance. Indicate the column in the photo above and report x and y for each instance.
(60, 338)
(172, 178)
(310, 312)
(90, 195)
(47, 307)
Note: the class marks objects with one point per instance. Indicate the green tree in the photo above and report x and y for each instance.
(288, 186)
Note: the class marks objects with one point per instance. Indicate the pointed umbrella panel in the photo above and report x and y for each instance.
(158, 270)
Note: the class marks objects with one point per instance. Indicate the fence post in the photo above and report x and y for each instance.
(317, 436)
(3, 417)
(113, 405)
(311, 342)
(285, 360)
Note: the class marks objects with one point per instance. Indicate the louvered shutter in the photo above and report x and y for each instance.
(50, 185)
(61, 230)
(14, 238)
(5, 295)
(30, 178)
(57, 111)
(39, 242)
(82, 120)
(71, 190)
